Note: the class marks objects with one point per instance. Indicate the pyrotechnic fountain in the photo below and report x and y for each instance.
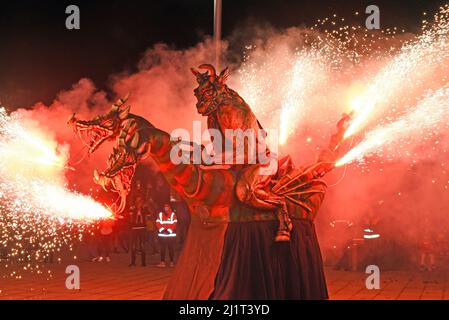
(38, 213)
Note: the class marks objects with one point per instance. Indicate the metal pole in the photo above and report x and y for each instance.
(217, 32)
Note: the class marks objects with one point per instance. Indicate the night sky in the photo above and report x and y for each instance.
(39, 56)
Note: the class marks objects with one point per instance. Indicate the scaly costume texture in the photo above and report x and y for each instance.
(251, 236)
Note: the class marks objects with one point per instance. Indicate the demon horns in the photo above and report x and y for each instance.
(210, 69)
(223, 77)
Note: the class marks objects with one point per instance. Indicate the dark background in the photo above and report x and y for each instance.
(39, 56)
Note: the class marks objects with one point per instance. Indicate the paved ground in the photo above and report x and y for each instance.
(394, 285)
(115, 280)
(98, 280)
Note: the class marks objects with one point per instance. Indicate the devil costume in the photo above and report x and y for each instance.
(238, 258)
(229, 253)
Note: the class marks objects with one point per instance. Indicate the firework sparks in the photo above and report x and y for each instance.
(288, 79)
(413, 70)
(417, 61)
(38, 213)
(300, 85)
(428, 118)
(305, 85)
(33, 166)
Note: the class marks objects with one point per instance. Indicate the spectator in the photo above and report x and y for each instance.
(150, 219)
(92, 244)
(120, 234)
(166, 224)
(138, 232)
(105, 240)
(427, 261)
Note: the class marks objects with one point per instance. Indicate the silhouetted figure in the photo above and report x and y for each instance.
(150, 220)
(138, 232)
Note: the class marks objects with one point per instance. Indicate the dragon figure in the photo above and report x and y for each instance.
(120, 125)
(217, 196)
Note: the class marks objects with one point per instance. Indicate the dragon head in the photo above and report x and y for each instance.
(210, 88)
(106, 127)
(118, 176)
